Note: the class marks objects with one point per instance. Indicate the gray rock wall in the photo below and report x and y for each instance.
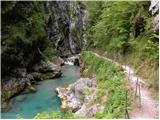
(154, 8)
(65, 25)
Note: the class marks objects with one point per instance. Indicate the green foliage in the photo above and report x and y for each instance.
(88, 91)
(96, 9)
(105, 83)
(100, 115)
(152, 48)
(112, 31)
(123, 30)
(100, 93)
(56, 115)
(110, 80)
(90, 103)
(49, 52)
(24, 38)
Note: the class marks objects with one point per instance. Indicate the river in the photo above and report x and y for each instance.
(45, 99)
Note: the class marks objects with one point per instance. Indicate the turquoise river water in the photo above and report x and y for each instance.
(45, 99)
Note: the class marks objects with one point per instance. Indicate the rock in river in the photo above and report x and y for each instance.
(80, 97)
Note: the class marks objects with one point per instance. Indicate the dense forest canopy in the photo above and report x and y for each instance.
(24, 36)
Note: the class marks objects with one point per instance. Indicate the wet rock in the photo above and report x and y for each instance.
(50, 71)
(47, 71)
(50, 75)
(36, 76)
(73, 60)
(12, 87)
(76, 62)
(29, 89)
(54, 68)
(58, 61)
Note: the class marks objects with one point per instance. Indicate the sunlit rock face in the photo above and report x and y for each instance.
(80, 97)
(154, 8)
(65, 25)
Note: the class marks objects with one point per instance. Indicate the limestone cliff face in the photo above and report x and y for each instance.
(77, 26)
(154, 8)
(65, 25)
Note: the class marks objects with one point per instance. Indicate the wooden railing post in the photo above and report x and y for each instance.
(136, 87)
(126, 110)
(139, 96)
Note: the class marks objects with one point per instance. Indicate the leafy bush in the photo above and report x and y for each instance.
(56, 115)
(109, 80)
(123, 30)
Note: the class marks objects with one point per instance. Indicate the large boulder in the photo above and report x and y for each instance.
(58, 61)
(76, 62)
(36, 76)
(51, 67)
(10, 88)
(29, 89)
(80, 97)
(46, 71)
(21, 80)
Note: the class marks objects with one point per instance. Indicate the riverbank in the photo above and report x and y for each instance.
(23, 80)
(97, 96)
(142, 103)
(45, 99)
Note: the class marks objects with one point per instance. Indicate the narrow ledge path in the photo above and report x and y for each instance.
(149, 108)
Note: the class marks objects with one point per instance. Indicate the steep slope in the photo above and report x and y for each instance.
(66, 26)
(127, 32)
(33, 32)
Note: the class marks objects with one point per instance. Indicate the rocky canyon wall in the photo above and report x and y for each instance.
(66, 25)
(30, 32)
(154, 8)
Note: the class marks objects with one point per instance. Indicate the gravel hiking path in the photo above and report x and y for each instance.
(149, 108)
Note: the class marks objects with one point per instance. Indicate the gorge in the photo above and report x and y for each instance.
(45, 99)
(68, 59)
